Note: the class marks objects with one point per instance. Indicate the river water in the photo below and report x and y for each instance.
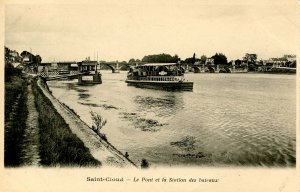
(227, 120)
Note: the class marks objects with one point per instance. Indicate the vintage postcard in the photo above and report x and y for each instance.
(150, 95)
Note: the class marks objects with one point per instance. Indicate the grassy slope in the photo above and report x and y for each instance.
(59, 146)
(14, 129)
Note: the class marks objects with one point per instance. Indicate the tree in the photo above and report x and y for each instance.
(250, 58)
(29, 55)
(26, 53)
(160, 58)
(251, 61)
(237, 62)
(37, 59)
(176, 58)
(203, 59)
(191, 60)
(9, 68)
(98, 121)
(194, 57)
(219, 58)
(252, 67)
(131, 60)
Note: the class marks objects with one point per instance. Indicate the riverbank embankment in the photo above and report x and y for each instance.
(100, 149)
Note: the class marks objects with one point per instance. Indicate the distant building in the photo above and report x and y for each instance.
(290, 58)
(26, 59)
(284, 61)
(209, 61)
(14, 53)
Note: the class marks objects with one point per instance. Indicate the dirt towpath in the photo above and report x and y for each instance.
(30, 146)
(100, 149)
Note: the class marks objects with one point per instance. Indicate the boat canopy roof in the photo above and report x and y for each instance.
(158, 64)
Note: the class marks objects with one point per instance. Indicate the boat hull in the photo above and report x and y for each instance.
(170, 86)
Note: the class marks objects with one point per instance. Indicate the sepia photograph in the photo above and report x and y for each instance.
(156, 88)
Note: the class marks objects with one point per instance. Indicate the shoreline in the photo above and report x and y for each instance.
(101, 150)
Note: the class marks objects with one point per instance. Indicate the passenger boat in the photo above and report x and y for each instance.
(166, 76)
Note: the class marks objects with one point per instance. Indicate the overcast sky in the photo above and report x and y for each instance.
(131, 30)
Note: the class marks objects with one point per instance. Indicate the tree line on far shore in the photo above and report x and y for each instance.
(250, 60)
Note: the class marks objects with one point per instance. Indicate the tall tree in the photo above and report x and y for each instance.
(194, 57)
(203, 59)
(191, 60)
(250, 57)
(176, 58)
(37, 59)
(219, 58)
(131, 60)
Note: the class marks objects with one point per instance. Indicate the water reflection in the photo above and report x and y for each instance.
(83, 95)
(163, 106)
(104, 106)
(144, 124)
(187, 144)
(89, 104)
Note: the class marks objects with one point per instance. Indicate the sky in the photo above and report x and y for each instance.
(133, 29)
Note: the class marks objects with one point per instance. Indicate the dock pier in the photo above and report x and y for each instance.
(86, 72)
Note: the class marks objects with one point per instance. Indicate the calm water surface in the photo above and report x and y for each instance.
(228, 119)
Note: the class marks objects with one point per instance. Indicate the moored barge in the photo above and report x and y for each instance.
(166, 76)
